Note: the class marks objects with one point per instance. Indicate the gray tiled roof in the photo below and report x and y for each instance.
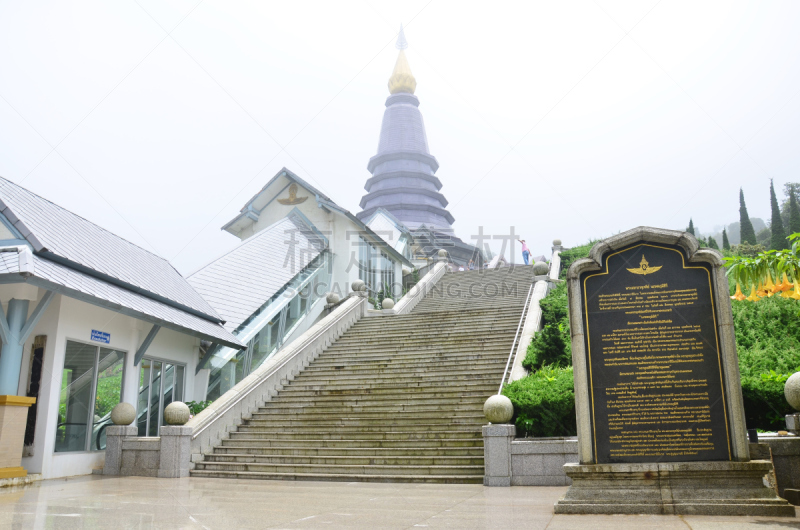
(241, 281)
(59, 278)
(74, 239)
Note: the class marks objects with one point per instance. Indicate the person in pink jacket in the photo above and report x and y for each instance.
(526, 253)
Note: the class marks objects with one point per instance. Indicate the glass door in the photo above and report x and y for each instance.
(160, 383)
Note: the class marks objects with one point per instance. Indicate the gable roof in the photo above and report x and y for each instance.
(251, 210)
(52, 276)
(388, 215)
(66, 238)
(239, 282)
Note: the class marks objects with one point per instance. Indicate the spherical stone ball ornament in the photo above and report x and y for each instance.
(358, 286)
(332, 298)
(123, 414)
(792, 390)
(540, 268)
(498, 409)
(387, 303)
(556, 242)
(442, 253)
(176, 413)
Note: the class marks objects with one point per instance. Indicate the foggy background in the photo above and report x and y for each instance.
(159, 119)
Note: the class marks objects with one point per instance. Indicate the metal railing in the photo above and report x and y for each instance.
(516, 336)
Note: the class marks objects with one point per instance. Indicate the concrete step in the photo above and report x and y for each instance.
(361, 460)
(448, 436)
(361, 363)
(432, 479)
(393, 409)
(418, 397)
(428, 351)
(409, 386)
(311, 429)
(298, 394)
(462, 417)
(235, 448)
(430, 380)
(252, 440)
(258, 467)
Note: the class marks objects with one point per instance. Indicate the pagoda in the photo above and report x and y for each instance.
(403, 171)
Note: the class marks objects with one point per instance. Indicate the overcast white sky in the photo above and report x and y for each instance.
(158, 119)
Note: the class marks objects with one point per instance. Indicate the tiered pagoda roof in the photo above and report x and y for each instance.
(403, 171)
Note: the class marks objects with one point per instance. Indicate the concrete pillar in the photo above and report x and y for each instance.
(11, 353)
(130, 386)
(114, 436)
(176, 445)
(497, 454)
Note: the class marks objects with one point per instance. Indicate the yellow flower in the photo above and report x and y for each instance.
(761, 291)
(784, 286)
(738, 294)
(796, 294)
(769, 287)
(752, 297)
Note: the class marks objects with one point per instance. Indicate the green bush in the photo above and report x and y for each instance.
(544, 403)
(551, 345)
(196, 407)
(573, 254)
(768, 344)
(554, 305)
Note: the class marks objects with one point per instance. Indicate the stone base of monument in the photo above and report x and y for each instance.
(679, 488)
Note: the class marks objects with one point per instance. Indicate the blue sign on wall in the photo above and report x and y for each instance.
(101, 336)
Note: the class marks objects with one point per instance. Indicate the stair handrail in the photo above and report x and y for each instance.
(283, 363)
(516, 335)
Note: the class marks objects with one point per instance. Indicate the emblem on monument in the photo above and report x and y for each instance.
(645, 268)
(293, 198)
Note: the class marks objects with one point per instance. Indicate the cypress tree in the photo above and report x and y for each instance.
(691, 227)
(746, 231)
(712, 243)
(794, 215)
(778, 240)
(726, 245)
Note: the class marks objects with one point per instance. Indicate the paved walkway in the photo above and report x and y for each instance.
(134, 502)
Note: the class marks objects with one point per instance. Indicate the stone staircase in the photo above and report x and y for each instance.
(396, 398)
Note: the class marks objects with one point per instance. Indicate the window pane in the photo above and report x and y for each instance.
(292, 315)
(76, 394)
(107, 394)
(169, 377)
(179, 379)
(265, 343)
(155, 399)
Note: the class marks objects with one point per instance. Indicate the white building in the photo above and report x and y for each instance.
(297, 246)
(103, 321)
(89, 320)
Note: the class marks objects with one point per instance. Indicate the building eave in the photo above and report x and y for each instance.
(55, 287)
(378, 240)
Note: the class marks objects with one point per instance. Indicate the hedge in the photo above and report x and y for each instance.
(544, 403)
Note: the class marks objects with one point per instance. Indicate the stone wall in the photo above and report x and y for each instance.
(786, 459)
(165, 456)
(540, 461)
(525, 461)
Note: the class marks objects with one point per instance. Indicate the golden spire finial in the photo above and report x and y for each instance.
(402, 79)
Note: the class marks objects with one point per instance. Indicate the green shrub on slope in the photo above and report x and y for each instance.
(551, 346)
(768, 344)
(544, 403)
(573, 254)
